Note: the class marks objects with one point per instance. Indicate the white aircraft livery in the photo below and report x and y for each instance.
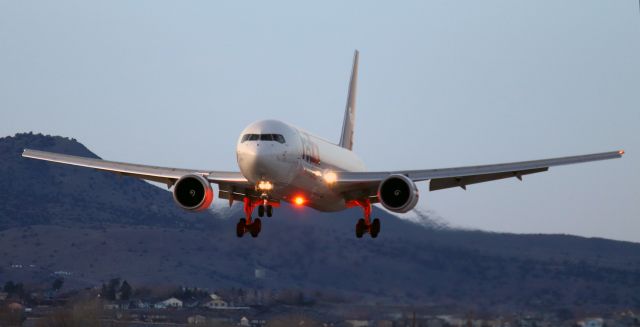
(279, 162)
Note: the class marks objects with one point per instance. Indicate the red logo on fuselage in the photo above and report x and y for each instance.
(310, 151)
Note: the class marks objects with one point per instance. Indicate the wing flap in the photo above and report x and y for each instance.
(448, 182)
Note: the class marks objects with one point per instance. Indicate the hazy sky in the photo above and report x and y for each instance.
(442, 83)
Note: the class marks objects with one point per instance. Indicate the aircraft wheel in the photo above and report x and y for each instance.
(240, 228)
(261, 211)
(360, 226)
(375, 228)
(255, 228)
(269, 211)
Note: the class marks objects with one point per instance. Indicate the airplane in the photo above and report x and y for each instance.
(279, 162)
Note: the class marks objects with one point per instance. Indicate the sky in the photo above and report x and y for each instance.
(442, 83)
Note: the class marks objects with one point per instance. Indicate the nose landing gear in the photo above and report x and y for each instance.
(364, 225)
(262, 209)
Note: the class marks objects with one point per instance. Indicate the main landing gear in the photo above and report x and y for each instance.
(249, 225)
(365, 225)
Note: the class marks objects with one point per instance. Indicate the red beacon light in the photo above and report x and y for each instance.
(299, 200)
(621, 152)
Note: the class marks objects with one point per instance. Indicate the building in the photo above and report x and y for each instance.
(216, 302)
(169, 303)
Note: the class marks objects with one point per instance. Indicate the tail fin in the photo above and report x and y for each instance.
(346, 139)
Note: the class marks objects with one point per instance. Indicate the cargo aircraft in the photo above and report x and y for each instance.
(280, 162)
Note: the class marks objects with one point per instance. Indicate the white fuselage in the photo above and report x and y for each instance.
(295, 162)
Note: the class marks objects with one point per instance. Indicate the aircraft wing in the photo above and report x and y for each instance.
(462, 176)
(152, 173)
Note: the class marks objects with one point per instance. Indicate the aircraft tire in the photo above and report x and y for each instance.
(260, 211)
(360, 228)
(240, 228)
(255, 228)
(269, 211)
(375, 228)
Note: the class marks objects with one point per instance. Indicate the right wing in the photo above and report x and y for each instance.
(164, 175)
(365, 184)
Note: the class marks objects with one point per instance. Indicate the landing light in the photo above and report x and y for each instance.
(621, 152)
(265, 186)
(330, 177)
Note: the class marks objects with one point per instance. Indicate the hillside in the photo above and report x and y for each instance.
(97, 225)
(35, 192)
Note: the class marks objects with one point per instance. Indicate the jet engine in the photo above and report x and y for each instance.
(193, 193)
(398, 193)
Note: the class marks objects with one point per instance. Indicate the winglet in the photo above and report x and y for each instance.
(346, 139)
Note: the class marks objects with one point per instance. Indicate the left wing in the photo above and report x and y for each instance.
(355, 184)
(152, 173)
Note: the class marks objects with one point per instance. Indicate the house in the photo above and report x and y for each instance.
(169, 303)
(244, 321)
(3, 296)
(197, 320)
(216, 304)
(591, 322)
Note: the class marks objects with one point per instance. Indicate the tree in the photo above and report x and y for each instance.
(57, 284)
(125, 291)
(9, 287)
(18, 289)
(104, 291)
(112, 288)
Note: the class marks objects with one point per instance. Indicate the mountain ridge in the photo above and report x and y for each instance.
(97, 225)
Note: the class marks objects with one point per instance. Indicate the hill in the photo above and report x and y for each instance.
(93, 226)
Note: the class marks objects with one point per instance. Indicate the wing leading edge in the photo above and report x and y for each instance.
(152, 173)
(462, 176)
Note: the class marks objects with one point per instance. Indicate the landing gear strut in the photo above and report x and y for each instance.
(365, 225)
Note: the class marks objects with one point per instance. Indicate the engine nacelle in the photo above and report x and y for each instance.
(398, 193)
(193, 192)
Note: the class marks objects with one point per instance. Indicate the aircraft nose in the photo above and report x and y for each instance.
(256, 161)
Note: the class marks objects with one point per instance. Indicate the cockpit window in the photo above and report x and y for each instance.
(278, 138)
(263, 137)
